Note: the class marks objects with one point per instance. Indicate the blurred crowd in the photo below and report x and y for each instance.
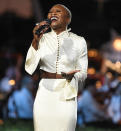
(17, 90)
(98, 101)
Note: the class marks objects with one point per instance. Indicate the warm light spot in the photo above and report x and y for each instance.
(117, 44)
(91, 71)
(109, 75)
(92, 53)
(1, 96)
(108, 63)
(98, 84)
(119, 78)
(118, 64)
(119, 122)
(1, 122)
(11, 82)
(114, 66)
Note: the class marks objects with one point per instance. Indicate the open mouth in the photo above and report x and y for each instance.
(54, 18)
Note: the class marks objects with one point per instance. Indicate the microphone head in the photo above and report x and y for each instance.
(39, 30)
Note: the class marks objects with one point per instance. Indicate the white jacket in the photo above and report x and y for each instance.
(70, 49)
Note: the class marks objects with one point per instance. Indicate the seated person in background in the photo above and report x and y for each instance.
(114, 109)
(91, 110)
(20, 103)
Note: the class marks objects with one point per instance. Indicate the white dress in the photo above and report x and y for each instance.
(55, 106)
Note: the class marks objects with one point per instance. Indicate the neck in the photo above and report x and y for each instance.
(58, 31)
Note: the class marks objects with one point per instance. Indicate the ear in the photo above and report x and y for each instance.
(68, 20)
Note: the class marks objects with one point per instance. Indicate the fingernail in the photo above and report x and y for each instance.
(37, 23)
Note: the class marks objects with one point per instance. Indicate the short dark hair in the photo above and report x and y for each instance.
(69, 14)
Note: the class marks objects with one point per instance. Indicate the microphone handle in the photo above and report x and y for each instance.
(39, 30)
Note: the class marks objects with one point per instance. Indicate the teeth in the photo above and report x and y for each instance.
(54, 18)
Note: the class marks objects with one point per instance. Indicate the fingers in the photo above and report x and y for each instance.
(44, 30)
(73, 72)
(63, 74)
(69, 75)
(38, 25)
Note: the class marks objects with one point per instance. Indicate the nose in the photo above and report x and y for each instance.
(53, 13)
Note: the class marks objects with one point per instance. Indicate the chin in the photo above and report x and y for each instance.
(54, 27)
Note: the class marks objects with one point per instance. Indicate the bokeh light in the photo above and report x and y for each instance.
(117, 44)
(12, 82)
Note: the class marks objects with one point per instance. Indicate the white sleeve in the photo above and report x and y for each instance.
(77, 81)
(32, 60)
(82, 62)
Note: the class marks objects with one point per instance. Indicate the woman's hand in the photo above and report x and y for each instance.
(69, 75)
(36, 38)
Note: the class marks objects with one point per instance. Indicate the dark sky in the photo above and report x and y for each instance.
(88, 20)
(91, 20)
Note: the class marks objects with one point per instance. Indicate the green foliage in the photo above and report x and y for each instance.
(27, 125)
(17, 125)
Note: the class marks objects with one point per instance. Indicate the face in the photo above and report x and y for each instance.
(59, 17)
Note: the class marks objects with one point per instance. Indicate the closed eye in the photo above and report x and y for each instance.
(58, 10)
(54, 11)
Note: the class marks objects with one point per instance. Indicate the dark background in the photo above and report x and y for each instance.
(90, 19)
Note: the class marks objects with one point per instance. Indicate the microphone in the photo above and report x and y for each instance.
(41, 28)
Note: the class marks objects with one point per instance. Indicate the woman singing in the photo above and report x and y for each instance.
(62, 56)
